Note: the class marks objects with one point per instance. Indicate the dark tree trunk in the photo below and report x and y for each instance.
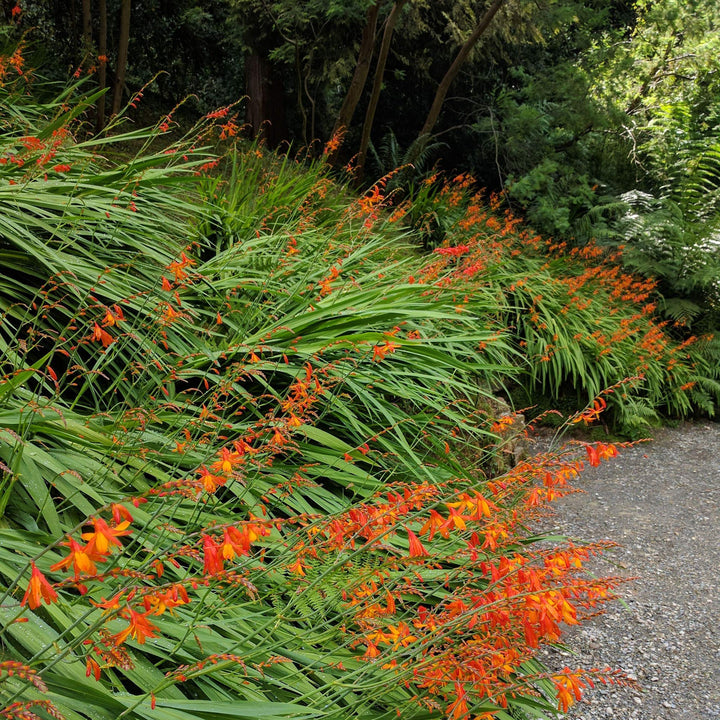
(87, 26)
(377, 86)
(123, 42)
(357, 84)
(451, 74)
(265, 112)
(102, 62)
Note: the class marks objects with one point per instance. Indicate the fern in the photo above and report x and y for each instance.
(665, 240)
(389, 157)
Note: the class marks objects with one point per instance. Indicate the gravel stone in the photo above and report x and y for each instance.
(661, 501)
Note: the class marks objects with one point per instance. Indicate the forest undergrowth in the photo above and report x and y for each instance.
(249, 435)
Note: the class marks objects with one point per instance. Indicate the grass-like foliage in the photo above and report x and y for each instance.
(245, 433)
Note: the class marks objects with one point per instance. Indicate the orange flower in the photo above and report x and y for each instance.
(228, 459)
(210, 482)
(593, 413)
(102, 335)
(114, 316)
(38, 589)
(380, 351)
(104, 536)
(456, 518)
(256, 530)
(435, 522)
(234, 543)
(158, 603)
(298, 567)
(334, 142)
(500, 425)
(458, 708)
(400, 636)
(600, 451)
(113, 603)
(139, 628)
(480, 506)
(92, 668)
(81, 558)
(416, 547)
(178, 267)
(372, 650)
(607, 451)
(170, 315)
(569, 689)
(120, 511)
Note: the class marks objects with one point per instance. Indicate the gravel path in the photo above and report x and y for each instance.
(661, 502)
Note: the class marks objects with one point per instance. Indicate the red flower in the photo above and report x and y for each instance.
(120, 512)
(213, 559)
(416, 547)
(39, 589)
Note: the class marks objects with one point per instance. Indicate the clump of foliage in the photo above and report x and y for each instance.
(577, 317)
(243, 427)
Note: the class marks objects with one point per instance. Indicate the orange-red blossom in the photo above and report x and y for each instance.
(113, 317)
(600, 451)
(81, 558)
(380, 351)
(569, 687)
(139, 628)
(104, 537)
(157, 603)
(102, 336)
(593, 413)
(178, 267)
(38, 589)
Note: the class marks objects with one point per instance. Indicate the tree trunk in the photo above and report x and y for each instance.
(123, 42)
(450, 75)
(357, 84)
(102, 62)
(377, 86)
(87, 26)
(265, 112)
